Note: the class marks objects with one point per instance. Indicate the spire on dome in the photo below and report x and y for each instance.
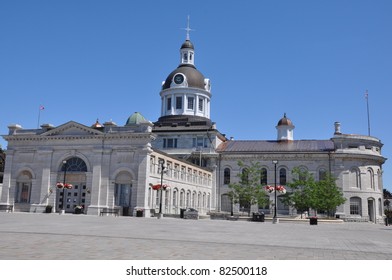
(188, 30)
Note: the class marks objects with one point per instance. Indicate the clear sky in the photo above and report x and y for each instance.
(313, 60)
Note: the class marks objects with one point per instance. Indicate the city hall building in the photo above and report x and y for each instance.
(119, 166)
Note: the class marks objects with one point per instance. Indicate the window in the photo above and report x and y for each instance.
(175, 192)
(226, 176)
(355, 178)
(282, 176)
(152, 164)
(74, 164)
(123, 189)
(322, 174)
(371, 178)
(122, 194)
(179, 102)
(201, 101)
(355, 206)
(263, 176)
(185, 57)
(23, 188)
(168, 104)
(170, 143)
(191, 102)
(182, 198)
(200, 142)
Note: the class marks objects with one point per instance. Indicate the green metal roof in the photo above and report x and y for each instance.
(135, 118)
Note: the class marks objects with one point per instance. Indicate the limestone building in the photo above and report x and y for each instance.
(186, 131)
(110, 167)
(114, 166)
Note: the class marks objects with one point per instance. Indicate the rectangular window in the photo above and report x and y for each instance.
(201, 100)
(179, 102)
(168, 107)
(200, 142)
(170, 143)
(354, 208)
(191, 102)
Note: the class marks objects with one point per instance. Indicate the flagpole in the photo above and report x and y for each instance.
(367, 106)
(39, 116)
(40, 108)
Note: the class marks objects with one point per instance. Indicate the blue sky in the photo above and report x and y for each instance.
(313, 60)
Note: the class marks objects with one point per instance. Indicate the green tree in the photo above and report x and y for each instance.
(301, 190)
(323, 195)
(248, 190)
(327, 196)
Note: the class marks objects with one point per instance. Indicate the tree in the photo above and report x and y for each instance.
(327, 196)
(307, 193)
(387, 194)
(300, 195)
(248, 190)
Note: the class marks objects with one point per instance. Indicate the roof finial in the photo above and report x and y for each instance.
(188, 29)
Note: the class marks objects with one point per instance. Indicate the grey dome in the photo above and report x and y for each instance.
(193, 76)
(187, 45)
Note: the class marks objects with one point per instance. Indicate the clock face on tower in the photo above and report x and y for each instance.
(178, 79)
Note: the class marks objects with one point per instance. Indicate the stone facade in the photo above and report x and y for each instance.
(108, 166)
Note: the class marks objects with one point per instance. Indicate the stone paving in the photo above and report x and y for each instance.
(25, 236)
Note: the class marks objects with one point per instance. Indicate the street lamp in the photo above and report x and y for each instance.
(275, 219)
(161, 162)
(65, 174)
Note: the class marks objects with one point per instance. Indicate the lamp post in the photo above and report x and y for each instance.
(65, 174)
(161, 162)
(275, 218)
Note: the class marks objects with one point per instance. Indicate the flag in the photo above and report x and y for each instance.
(366, 94)
(41, 107)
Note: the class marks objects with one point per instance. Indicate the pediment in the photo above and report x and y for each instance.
(72, 129)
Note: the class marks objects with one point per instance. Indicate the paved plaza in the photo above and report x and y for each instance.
(26, 236)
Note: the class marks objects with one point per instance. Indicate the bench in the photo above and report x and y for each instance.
(7, 208)
(115, 211)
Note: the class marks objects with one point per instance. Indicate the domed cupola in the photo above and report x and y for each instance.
(285, 129)
(186, 91)
(135, 119)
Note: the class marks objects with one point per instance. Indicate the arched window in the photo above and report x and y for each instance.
(263, 176)
(123, 189)
(74, 164)
(182, 198)
(355, 178)
(282, 176)
(302, 174)
(188, 199)
(23, 187)
(355, 206)
(226, 176)
(322, 174)
(175, 199)
(194, 197)
(371, 178)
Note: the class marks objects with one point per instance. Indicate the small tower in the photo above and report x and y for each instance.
(285, 129)
(186, 92)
